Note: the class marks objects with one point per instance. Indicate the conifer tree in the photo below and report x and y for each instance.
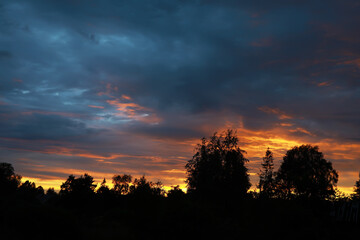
(266, 183)
(357, 188)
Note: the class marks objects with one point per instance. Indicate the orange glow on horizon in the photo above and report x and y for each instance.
(255, 143)
(56, 183)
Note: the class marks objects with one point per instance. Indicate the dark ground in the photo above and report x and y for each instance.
(164, 218)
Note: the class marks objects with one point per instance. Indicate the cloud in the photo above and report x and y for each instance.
(111, 78)
(281, 115)
(30, 125)
(93, 106)
(5, 54)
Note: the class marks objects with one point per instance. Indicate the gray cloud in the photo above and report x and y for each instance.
(195, 66)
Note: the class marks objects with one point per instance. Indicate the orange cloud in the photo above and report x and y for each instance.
(344, 156)
(281, 115)
(109, 90)
(125, 97)
(286, 124)
(134, 111)
(80, 153)
(93, 106)
(355, 62)
(301, 130)
(324, 84)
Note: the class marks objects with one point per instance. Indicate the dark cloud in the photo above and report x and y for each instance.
(34, 126)
(106, 75)
(5, 54)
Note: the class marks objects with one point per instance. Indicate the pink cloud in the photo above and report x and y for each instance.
(18, 80)
(134, 111)
(281, 115)
(324, 84)
(93, 106)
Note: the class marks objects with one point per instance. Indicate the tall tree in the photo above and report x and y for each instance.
(357, 188)
(144, 188)
(175, 193)
(121, 183)
(78, 189)
(305, 173)
(9, 181)
(218, 167)
(266, 182)
(103, 189)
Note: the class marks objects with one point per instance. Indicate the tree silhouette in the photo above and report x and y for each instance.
(28, 190)
(51, 192)
(266, 182)
(103, 189)
(218, 167)
(121, 183)
(357, 188)
(143, 188)
(51, 196)
(176, 193)
(305, 173)
(78, 189)
(9, 181)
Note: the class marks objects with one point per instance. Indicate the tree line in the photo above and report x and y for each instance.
(299, 197)
(217, 170)
(219, 167)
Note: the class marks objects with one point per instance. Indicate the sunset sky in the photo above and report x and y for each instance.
(114, 87)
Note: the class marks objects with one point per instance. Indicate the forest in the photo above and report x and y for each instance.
(297, 201)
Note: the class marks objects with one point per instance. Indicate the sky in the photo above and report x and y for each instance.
(113, 87)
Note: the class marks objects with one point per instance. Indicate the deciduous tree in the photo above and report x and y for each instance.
(78, 189)
(357, 188)
(218, 167)
(305, 173)
(9, 181)
(121, 183)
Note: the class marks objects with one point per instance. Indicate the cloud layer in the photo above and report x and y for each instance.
(130, 86)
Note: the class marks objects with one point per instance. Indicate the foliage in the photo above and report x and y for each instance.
(142, 187)
(266, 182)
(357, 189)
(145, 213)
(51, 196)
(103, 189)
(218, 167)
(30, 191)
(305, 173)
(176, 193)
(78, 189)
(122, 183)
(9, 181)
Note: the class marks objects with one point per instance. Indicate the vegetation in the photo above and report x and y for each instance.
(267, 182)
(299, 200)
(357, 189)
(9, 181)
(305, 173)
(218, 167)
